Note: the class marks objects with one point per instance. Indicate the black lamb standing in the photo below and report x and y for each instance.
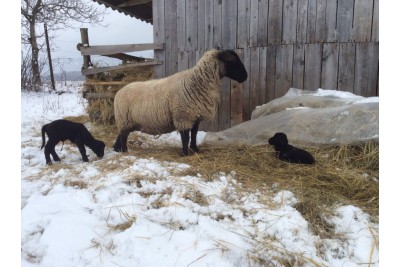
(77, 133)
(289, 153)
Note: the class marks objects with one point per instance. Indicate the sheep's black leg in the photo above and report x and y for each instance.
(117, 144)
(82, 150)
(120, 144)
(193, 137)
(123, 140)
(185, 142)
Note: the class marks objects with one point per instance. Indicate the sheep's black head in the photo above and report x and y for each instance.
(232, 66)
(278, 140)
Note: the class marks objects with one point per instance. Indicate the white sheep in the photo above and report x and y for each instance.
(178, 102)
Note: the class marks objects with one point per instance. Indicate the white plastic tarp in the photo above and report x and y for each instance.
(308, 118)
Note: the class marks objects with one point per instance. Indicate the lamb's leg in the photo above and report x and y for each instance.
(48, 149)
(54, 155)
(193, 137)
(82, 150)
(185, 142)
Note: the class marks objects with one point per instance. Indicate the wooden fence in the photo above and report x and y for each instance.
(306, 44)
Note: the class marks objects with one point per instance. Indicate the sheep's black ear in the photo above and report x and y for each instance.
(233, 66)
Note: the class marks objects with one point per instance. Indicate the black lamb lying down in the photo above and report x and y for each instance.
(289, 153)
(77, 133)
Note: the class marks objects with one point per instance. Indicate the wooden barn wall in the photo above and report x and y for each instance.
(306, 44)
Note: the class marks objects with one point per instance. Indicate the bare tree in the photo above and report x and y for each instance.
(26, 71)
(56, 14)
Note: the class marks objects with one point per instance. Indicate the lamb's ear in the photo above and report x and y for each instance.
(232, 66)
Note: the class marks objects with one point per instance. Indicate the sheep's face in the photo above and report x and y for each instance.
(232, 66)
(278, 140)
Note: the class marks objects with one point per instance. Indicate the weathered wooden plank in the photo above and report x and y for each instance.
(171, 46)
(199, 55)
(366, 69)
(115, 49)
(312, 66)
(275, 22)
(201, 18)
(253, 23)
(298, 66)
(237, 97)
(289, 21)
(301, 26)
(375, 22)
(271, 72)
(243, 23)
(121, 67)
(362, 22)
(224, 108)
(344, 20)
(217, 24)
(209, 24)
(191, 25)
(229, 24)
(284, 63)
(183, 60)
(346, 73)
(262, 84)
(320, 24)
(181, 24)
(262, 35)
(330, 59)
(311, 21)
(159, 36)
(192, 58)
(246, 84)
(254, 77)
(330, 20)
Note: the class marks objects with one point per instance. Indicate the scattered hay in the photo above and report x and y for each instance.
(345, 175)
(196, 197)
(76, 184)
(128, 221)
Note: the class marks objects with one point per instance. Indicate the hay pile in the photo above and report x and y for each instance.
(101, 109)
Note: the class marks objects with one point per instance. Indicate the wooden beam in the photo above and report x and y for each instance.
(134, 3)
(114, 49)
(90, 96)
(121, 67)
(105, 83)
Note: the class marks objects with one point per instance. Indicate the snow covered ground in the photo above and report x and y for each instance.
(128, 211)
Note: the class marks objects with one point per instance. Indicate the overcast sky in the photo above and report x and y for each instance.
(120, 29)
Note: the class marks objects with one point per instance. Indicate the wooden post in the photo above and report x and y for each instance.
(53, 86)
(85, 42)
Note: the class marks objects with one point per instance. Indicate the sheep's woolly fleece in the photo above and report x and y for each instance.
(174, 102)
(144, 212)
